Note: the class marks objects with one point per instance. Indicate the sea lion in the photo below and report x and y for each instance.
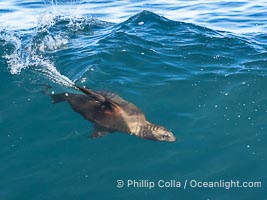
(111, 113)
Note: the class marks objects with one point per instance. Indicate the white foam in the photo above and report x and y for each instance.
(47, 68)
(14, 59)
(52, 43)
(19, 60)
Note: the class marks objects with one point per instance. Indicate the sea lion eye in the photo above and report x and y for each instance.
(165, 136)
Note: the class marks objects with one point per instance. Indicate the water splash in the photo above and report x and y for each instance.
(52, 43)
(33, 49)
(20, 58)
(14, 58)
(49, 70)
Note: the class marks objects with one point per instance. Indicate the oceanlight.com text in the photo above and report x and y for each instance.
(195, 184)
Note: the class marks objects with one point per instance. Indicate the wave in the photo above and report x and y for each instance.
(72, 45)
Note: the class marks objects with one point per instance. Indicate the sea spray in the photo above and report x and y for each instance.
(14, 55)
(26, 56)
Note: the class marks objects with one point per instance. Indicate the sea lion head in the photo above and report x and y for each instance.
(159, 133)
(162, 134)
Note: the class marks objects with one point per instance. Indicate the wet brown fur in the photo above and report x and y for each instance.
(111, 113)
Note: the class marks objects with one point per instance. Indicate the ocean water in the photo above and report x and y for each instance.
(196, 67)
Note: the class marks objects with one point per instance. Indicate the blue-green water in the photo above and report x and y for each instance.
(200, 72)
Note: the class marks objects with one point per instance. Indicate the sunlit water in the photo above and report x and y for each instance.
(196, 67)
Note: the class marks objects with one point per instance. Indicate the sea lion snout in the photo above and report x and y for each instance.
(163, 134)
(156, 132)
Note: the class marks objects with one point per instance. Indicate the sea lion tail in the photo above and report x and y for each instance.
(94, 95)
(56, 98)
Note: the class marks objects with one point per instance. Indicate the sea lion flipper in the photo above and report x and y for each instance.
(96, 96)
(98, 134)
(107, 103)
(57, 98)
(99, 131)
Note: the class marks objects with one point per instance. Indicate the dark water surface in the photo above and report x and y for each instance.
(196, 67)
